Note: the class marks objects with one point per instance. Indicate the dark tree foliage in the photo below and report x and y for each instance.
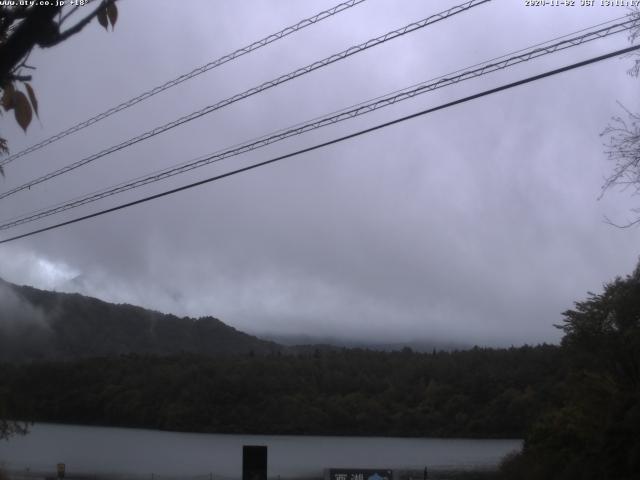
(595, 434)
(474, 393)
(27, 25)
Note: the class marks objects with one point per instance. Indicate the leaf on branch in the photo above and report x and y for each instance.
(103, 19)
(22, 110)
(32, 98)
(8, 96)
(4, 149)
(112, 13)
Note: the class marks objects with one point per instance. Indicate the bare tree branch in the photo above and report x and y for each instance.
(64, 17)
(71, 12)
(623, 149)
(80, 25)
(633, 36)
(20, 78)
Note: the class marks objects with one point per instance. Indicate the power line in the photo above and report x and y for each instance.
(332, 142)
(187, 76)
(252, 91)
(319, 122)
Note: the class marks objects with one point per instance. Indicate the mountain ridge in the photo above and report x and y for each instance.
(37, 324)
(44, 325)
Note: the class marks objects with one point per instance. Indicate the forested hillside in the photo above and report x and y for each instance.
(42, 325)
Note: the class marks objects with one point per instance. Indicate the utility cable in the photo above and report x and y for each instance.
(252, 91)
(332, 142)
(319, 122)
(187, 76)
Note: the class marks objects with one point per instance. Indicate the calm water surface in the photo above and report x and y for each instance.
(103, 450)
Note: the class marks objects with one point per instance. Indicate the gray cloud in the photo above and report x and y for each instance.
(16, 313)
(477, 223)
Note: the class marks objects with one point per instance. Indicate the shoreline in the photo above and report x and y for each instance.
(292, 435)
(444, 473)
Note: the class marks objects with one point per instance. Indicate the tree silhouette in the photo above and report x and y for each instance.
(595, 433)
(25, 27)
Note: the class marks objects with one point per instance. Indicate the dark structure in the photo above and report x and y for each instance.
(254, 462)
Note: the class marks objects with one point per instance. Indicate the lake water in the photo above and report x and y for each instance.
(103, 450)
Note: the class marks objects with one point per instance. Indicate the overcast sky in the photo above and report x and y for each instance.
(479, 223)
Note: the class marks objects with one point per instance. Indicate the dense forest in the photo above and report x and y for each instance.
(474, 393)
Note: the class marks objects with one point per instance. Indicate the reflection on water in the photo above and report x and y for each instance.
(102, 450)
